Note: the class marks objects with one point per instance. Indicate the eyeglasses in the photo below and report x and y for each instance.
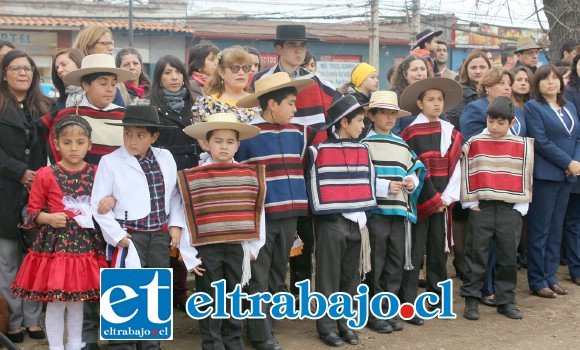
(107, 43)
(236, 68)
(17, 69)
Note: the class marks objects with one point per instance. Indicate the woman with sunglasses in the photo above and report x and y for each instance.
(226, 86)
(22, 152)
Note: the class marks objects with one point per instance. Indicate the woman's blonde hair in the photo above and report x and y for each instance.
(88, 38)
(491, 77)
(232, 55)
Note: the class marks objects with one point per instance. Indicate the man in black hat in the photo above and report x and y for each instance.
(427, 46)
(312, 104)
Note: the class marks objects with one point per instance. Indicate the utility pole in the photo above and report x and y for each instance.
(415, 20)
(374, 35)
(130, 23)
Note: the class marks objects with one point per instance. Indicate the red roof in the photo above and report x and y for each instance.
(66, 22)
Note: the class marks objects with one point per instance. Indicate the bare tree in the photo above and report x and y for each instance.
(564, 20)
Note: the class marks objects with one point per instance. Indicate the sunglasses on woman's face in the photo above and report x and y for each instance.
(236, 68)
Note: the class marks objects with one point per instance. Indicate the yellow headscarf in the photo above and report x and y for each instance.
(360, 73)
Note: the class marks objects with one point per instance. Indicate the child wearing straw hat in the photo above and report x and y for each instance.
(280, 147)
(98, 77)
(438, 146)
(390, 222)
(241, 191)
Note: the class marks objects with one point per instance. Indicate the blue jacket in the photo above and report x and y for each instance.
(554, 146)
(474, 119)
(573, 97)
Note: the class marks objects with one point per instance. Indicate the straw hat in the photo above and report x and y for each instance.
(97, 63)
(221, 121)
(527, 43)
(341, 108)
(271, 83)
(451, 89)
(386, 100)
(141, 116)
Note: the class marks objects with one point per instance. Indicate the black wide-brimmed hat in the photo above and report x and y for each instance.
(291, 32)
(426, 35)
(142, 116)
(341, 108)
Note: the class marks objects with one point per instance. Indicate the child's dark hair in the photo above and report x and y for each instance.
(276, 95)
(349, 117)
(210, 133)
(151, 129)
(89, 78)
(501, 107)
(70, 121)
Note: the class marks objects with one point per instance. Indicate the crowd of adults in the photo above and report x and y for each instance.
(215, 79)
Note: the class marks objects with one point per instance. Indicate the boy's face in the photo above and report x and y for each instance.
(137, 140)
(292, 53)
(354, 128)
(223, 145)
(283, 112)
(431, 45)
(101, 92)
(498, 127)
(384, 120)
(432, 103)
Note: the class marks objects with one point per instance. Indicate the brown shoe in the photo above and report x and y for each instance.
(545, 293)
(558, 289)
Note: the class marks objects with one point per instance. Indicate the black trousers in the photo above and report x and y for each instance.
(428, 236)
(387, 237)
(301, 265)
(269, 272)
(338, 245)
(220, 261)
(497, 221)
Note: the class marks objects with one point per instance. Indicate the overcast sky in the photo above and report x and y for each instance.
(481, 11)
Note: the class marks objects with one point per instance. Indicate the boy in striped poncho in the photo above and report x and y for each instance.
(280, 147)
(341, 186)
(224, 203)
(438, 146)
(390, 223)
(496, 184)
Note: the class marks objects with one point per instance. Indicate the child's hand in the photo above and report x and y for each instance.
(476, 208)
(443, 206)
(395, 186)
(175, 233)
(409, 184)
(57, 220)
(198, 270)
(124, 243)
(106, 205)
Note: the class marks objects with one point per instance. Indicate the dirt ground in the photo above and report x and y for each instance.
(547, 323)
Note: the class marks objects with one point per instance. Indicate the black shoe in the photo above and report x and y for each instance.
(380, 326)
(395, 324)
(16, 338)
(488, 302)
(576, 280)
(432, 307)
(350, 337)
(331, 339)
(179, 306)
(39, 334)
(417, 321)
(471, 308)
(511, 311)
(269, 344)
(91, 346)
(422, 283)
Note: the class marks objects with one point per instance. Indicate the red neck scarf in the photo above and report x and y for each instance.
(199, 77)
(139, 90)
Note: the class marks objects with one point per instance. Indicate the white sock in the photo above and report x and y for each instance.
(55, 324)
(74, 326)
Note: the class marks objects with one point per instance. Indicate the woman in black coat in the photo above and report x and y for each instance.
(22, 152)
(171, 94)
